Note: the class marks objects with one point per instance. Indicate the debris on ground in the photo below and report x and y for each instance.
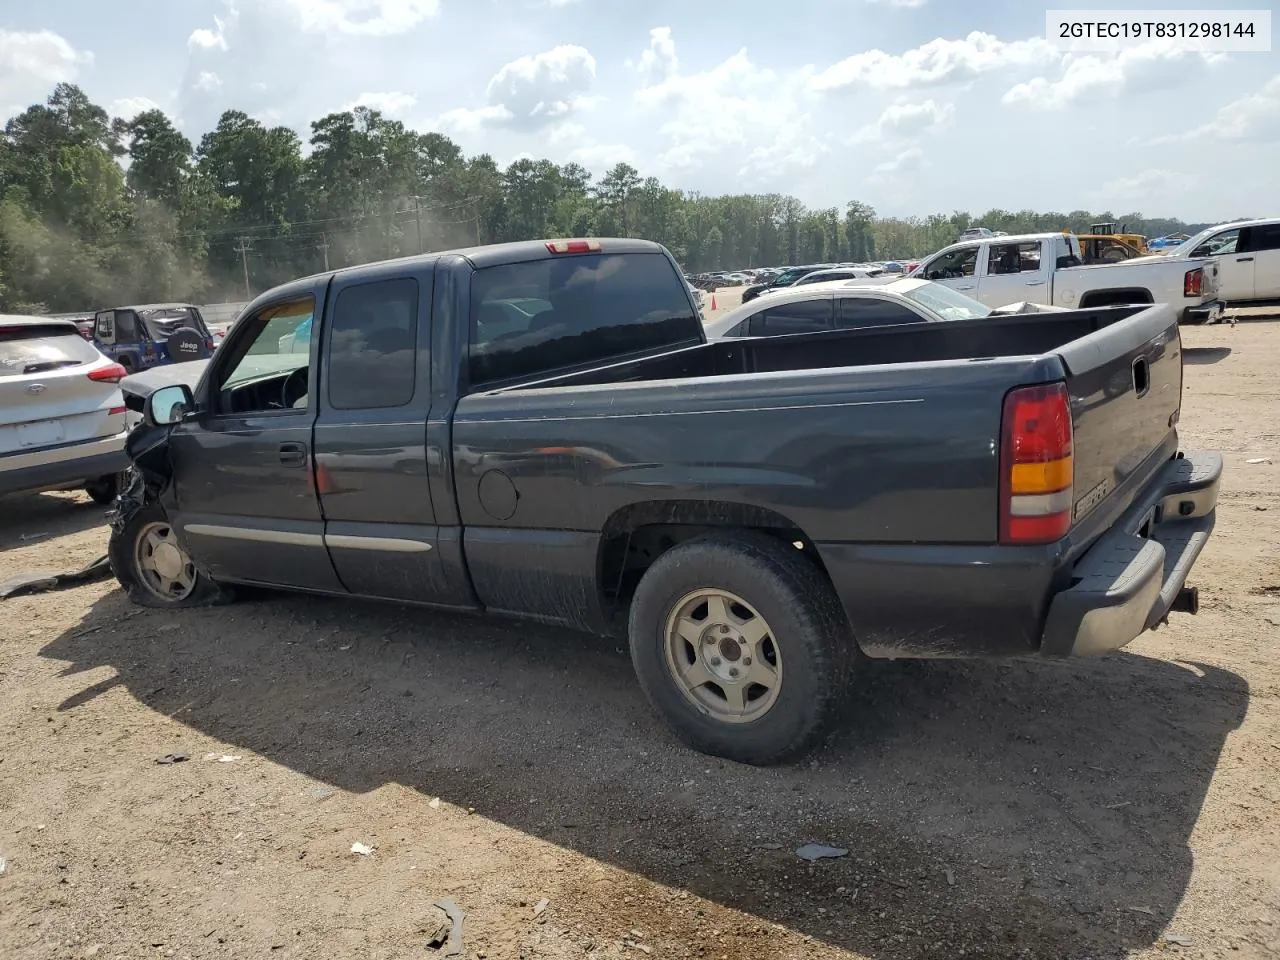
(768, 846)
(951, 877)
(363, 849)
(631, 944)
(1177, 939)
(2, 864)
(1147, 910)
(14, 586)
(29, 537)
(1258, 460)
(540, 906)
(434, 803)
(448, 937)
(174, 758)
(223, 757)
(820, 851)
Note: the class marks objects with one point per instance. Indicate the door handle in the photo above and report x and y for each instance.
(1244, 259)
(1035, 283)
(293, 454)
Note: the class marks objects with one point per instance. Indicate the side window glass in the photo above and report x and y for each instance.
(1265, 238)
(950, 266)
(1006, 258)
(871, 312)
(126, 326)
(373, 345)
(1218, 244)
(803, 316)
(263, 370)
(105, 328)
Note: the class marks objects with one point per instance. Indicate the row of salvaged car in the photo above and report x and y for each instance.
(993, 267)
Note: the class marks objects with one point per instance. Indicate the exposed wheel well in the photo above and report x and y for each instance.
(635, 536)
(1109, 298)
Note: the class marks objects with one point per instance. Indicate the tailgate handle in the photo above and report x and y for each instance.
(1141, 376)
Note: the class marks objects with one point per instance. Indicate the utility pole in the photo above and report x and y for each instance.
(477, 215)
(417, 219)
(243, 250)
(324, 245)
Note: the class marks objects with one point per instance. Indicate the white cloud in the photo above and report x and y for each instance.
(1153, 65)
(533, 92)
(904, 121)
(601, 157)
(31, 63)
(934, 63)
(1146, 185)
(754, 113)
(207, 81)
(130, 107)
(567, 132)
(368, 18)
(659, 61)
(908, 160)
(1255, 117)
(215, 39)
(391, 102)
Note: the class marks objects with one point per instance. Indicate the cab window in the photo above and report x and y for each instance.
(373, 345)
(953, 265)
(1006, 258)
(262, 372)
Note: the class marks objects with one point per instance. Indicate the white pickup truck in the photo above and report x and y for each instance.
(1045, 268)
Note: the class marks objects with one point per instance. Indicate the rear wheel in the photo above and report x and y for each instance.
(154, 569)
(742, 646)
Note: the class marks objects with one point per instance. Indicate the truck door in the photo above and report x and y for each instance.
(1236, 265)
(380, 526)
(1013, 272)
(246, 504)
(1258, 249)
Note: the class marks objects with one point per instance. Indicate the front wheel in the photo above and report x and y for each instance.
(154, 569)
(741, 645)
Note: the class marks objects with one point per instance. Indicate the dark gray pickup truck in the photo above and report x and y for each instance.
(541, 430)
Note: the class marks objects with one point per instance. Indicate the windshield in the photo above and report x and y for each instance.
(1184, 249)
(161, 323)
(947, 302)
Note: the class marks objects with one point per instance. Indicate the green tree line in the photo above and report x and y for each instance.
(96, 210)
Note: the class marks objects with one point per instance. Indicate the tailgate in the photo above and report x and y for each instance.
(1125, 382)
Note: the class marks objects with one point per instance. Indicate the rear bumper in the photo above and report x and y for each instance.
(985, 600)
(1210, 312)
(1129, 580)
(62, 466)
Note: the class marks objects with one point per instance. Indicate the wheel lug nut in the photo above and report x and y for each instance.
(746, 661)
(724, 628)
(715, 661)
(733, 671)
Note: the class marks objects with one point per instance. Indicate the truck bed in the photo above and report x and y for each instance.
(878, 446)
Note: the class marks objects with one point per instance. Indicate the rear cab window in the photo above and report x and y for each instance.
(27, 349)
(373, 345)
(532, 318)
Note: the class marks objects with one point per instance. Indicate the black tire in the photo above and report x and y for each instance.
(814, 643)
(122, 552)
(104, 490)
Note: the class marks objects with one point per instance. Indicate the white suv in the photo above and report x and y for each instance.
(62, 416)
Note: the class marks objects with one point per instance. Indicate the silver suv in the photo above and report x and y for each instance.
(62, 416)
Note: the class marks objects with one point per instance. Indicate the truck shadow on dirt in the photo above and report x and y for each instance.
(1007, 809)
(36, 517)
(1204, 356)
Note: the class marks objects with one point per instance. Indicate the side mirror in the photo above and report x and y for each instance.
(168, 405)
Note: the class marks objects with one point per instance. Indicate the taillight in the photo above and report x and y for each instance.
(112, 373)
(1036, 469)
(573, 246)
(1193, 282)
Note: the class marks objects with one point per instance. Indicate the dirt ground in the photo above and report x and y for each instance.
(1122, 807)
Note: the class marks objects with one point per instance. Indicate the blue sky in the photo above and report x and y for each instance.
(914, 106)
